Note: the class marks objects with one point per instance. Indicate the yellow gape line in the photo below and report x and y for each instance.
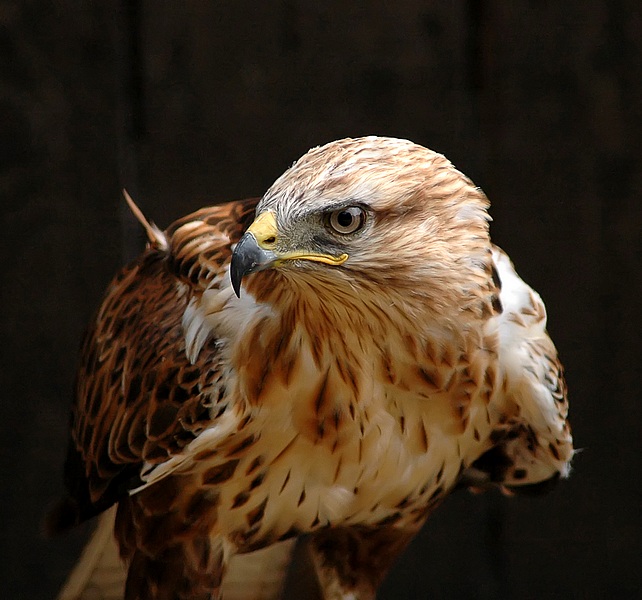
(328, 259)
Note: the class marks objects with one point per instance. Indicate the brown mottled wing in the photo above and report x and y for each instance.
(138, 398)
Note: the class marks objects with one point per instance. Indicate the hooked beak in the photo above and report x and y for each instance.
(248, 257)
(256, 251)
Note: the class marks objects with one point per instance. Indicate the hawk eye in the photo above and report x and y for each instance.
(347, 220)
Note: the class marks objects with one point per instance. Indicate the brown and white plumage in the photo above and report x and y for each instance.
(360, 377)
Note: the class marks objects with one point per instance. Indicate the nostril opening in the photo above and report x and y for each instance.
(271, 240)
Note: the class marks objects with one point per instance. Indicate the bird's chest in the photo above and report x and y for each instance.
(339, 437)
(339, 458)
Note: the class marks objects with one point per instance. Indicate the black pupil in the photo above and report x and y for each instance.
(345, 218)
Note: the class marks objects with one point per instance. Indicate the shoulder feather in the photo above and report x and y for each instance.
(532, 442)
(139, 399)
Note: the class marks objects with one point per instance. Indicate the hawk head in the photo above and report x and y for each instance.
(359, 214)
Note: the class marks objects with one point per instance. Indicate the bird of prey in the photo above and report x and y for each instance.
(331, 360)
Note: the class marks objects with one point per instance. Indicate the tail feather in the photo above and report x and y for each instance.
(101, 573)
(99, 568)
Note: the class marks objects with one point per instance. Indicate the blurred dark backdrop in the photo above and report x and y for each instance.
(189, 104)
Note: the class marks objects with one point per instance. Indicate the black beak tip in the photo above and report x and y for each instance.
(236, 286)
(247, 258)
(236, 277)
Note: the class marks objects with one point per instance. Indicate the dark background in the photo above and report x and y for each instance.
(189, 104)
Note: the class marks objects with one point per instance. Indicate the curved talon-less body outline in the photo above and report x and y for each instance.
(368, 368)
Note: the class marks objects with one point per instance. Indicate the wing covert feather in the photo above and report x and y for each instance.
(138, 397)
